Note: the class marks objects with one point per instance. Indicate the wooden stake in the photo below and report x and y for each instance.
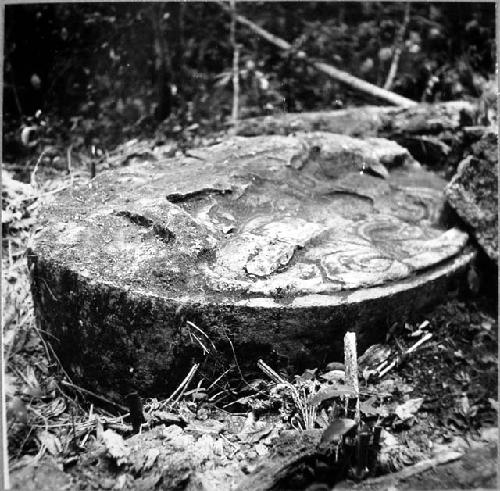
(351, 367)
(4, 456)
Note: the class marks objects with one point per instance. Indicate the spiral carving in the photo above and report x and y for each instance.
(414, 205)
(359, 265)
(383, 229)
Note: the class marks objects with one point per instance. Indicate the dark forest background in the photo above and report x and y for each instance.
(103, 73)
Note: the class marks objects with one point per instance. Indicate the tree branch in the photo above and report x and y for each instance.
(398, 48)
(335, 73)
(236, 71)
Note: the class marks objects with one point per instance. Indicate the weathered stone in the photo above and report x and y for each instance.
(273, 242)
(45, 475)
(473, 193)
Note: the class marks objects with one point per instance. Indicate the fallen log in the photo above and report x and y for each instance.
(343, 77)
(435, 134)
(474, 469)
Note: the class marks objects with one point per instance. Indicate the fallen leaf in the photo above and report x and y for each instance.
(116, 447)
(336, 430)
(322, 419)
(334, 375)
(257, 435)
(50, 442)
(493, 403)
(307, 375)
(249, 424)
(408, 409)
(206, 427)
(403, 388)
(9, 385)
(373, 356)
(32, 386)
(464, 404)
(331, 392)
(368, 409)
(388, 439)
(388, 385)
(369, 374)
(57, 407)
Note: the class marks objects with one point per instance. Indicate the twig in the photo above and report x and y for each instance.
(182, 386)
(50, 352)
(308, 411)
(192, 324)
(69, 165)
(236, 81)
(271, 373)
(235, 358)
(57, 190)
(398, 49)
(94, 395)
(35, 169)
(218, 378)
(199, 341)
(73, 422)
(410, 350)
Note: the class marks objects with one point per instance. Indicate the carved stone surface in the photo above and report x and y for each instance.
(276, 241)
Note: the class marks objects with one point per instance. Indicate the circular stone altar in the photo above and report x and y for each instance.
(266, 244)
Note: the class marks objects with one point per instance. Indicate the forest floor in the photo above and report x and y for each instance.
(440, 400)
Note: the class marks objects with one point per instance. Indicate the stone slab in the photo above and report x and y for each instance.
(274, 242)
(473, 193)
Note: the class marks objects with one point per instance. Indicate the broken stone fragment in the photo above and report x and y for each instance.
(275, 256)
(473, 194)
(298, 278)
(339, 153)
(266, 248)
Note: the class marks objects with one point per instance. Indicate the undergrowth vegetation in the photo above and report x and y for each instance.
(83, 78)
